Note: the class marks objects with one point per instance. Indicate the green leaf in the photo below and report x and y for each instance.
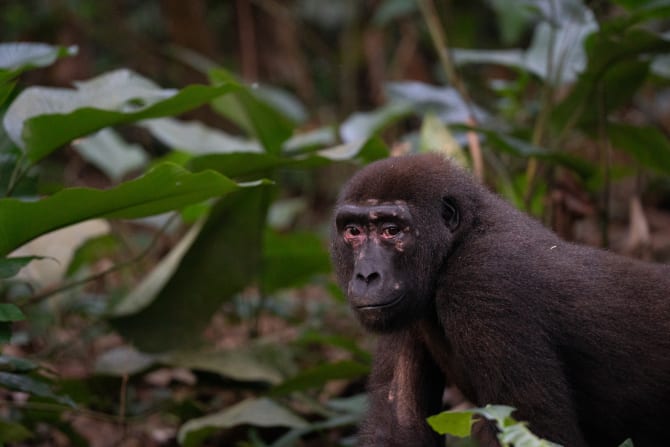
(510, 432)
(361, 126)
(648, 145)
(253, 363)
(518, 434)
(16, 57)
(20, 382)
(565, 40)
(196, 138)
(11, 266)
(13, 432)
(221, 261)
(257, 117)
(306, 253)
(367, 151)
(42, 119)
(455, 423)
(436, 136)
(5, 332)
(627, 443)
(422, 98)
(619, 83)
(645, 9)
(521, 148)
(166, 187)
(260, 412)
(614, 67)
(239, 166)
(318, 376)
(251, 166)
(9, 312)
(107, 151)
(91, 250)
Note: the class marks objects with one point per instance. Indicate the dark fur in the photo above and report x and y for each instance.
(576, 338)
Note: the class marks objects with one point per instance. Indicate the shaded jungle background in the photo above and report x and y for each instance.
(158, 317)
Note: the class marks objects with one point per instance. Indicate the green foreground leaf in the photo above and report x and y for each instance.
(180, 299)
(42, 119)
(164, 188)
(257, 117)
(16, 57)
(510, 432)
(261, 412)
(21, 382)
(9, 312)
(11, 266)
(13, 432)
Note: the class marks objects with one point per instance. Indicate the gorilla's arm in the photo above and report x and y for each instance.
(405, 387)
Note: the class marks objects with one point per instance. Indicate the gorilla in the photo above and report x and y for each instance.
(465, 290)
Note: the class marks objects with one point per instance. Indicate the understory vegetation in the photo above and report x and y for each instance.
(166, 181)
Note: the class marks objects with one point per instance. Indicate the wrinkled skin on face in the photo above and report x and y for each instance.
(377, 244)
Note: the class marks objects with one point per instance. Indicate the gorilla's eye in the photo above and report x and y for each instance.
(390, 230)
(351, 232)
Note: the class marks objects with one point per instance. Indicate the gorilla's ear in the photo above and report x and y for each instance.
(450, 213)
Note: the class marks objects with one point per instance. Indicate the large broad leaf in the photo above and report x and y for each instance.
(197, 139)
(615, 68)
(256, 362)
(166, 187)
(445, 102)
(306, 253)
(42, 119)
(261, 412)
(522, 148)
(250, 166)
(220, 262)
(558, 47)
(258, 118)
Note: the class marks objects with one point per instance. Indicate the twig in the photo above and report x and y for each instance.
(247, 34)
(606, 160)
(546, 105)
(17, 174)
(122, 400)
(439, 38)
(41, 296)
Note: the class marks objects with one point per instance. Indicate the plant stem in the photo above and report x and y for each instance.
(439, 38)
(45, 294)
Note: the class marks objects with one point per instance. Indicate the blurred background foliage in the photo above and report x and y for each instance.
(189, 153)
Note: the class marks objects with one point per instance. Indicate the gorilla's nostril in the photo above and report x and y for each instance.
(367, 279)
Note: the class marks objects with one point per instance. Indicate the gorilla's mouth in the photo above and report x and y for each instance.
(380, 305)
